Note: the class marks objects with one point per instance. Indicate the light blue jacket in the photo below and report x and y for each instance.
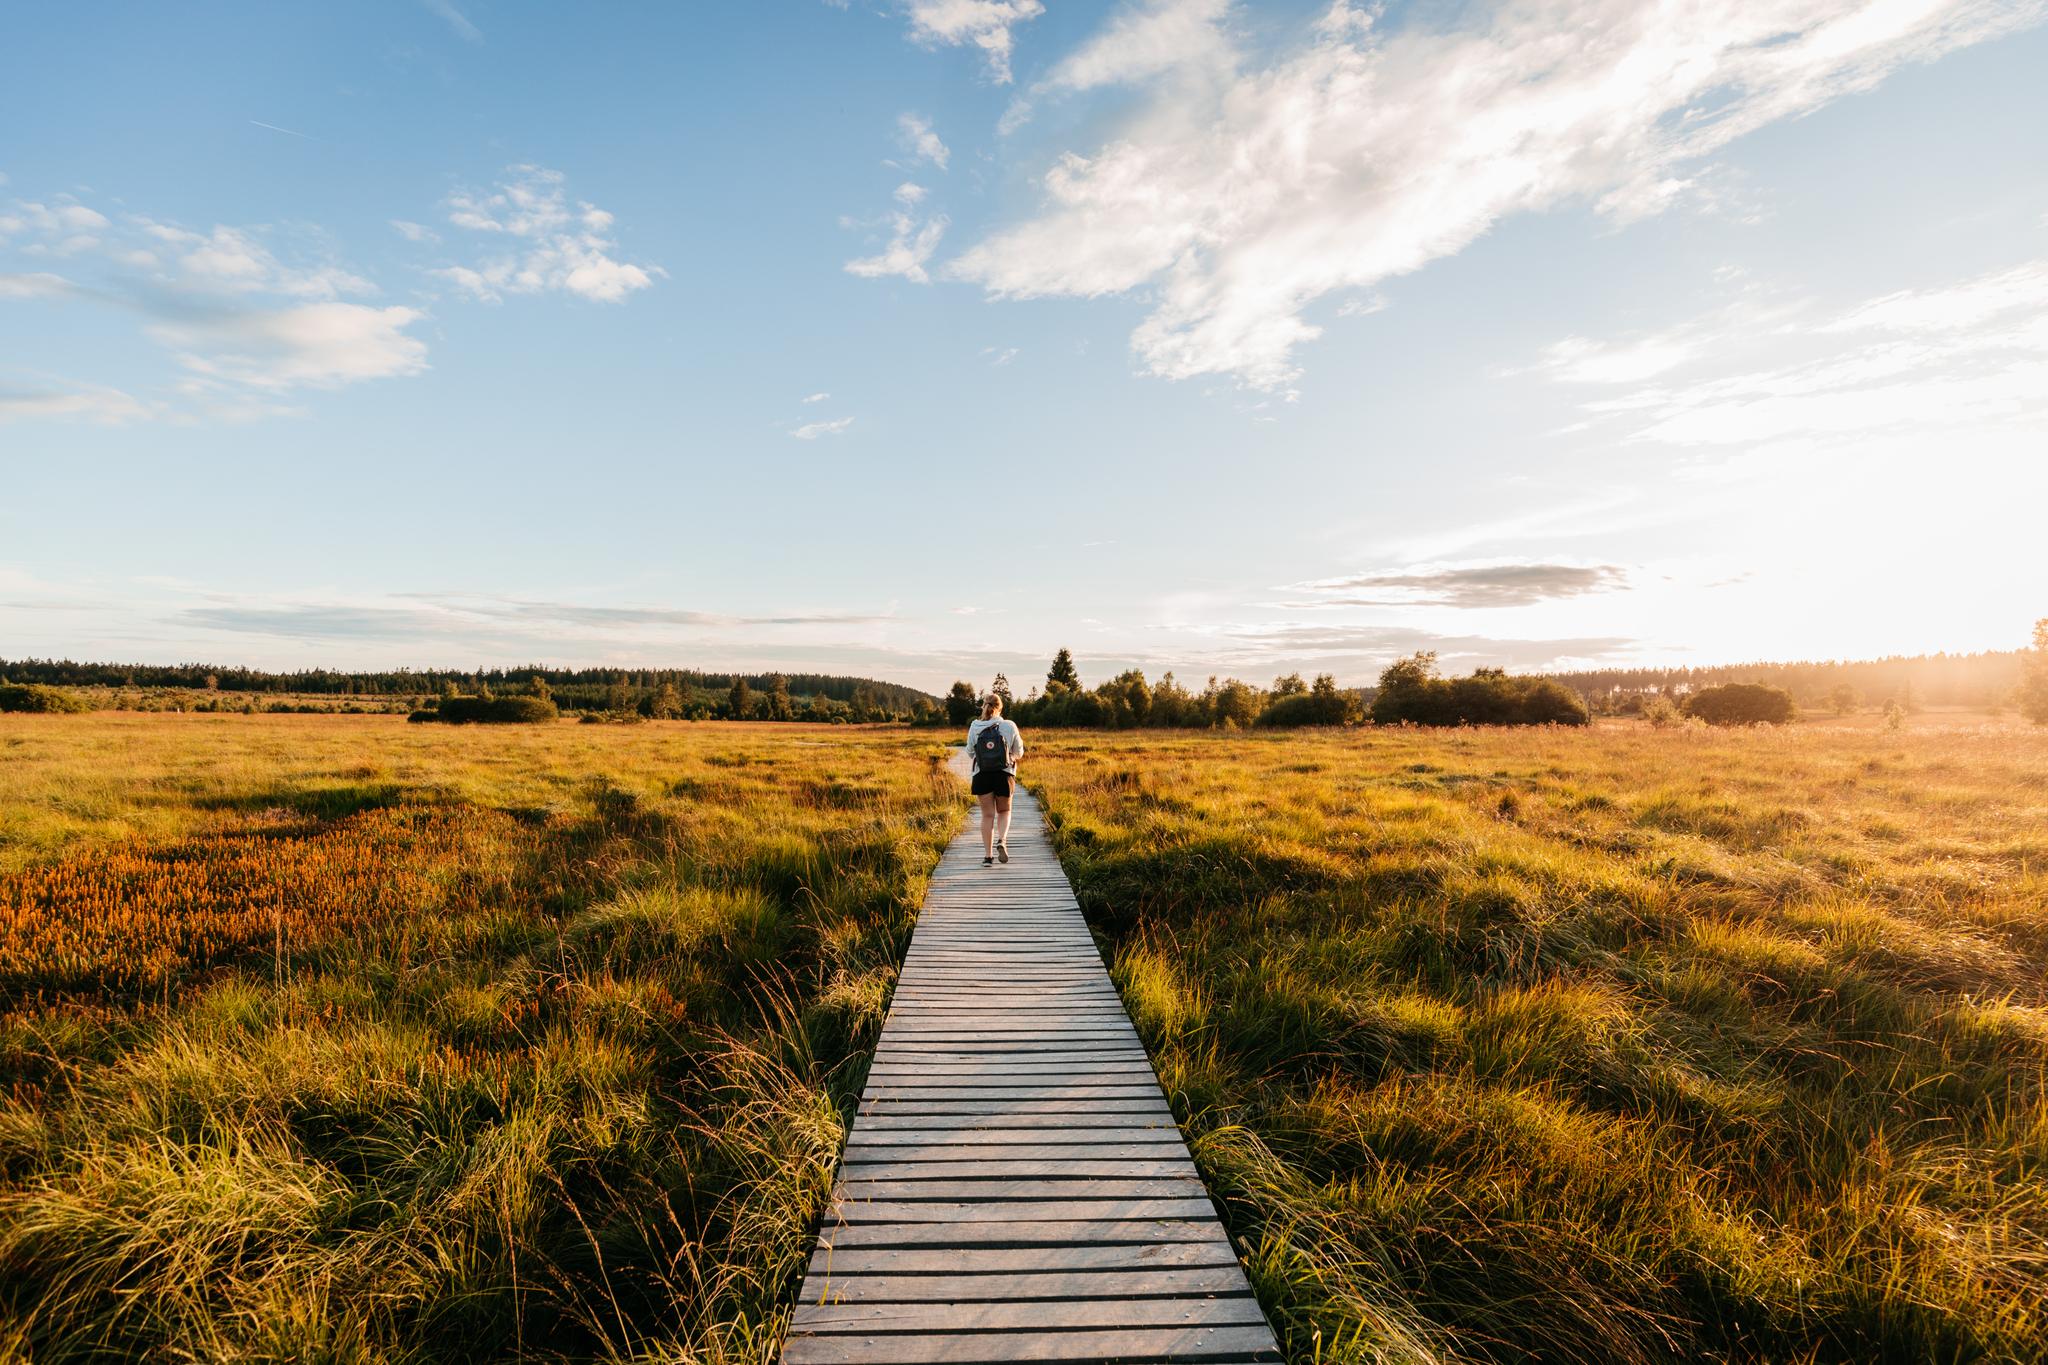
(1013, 742)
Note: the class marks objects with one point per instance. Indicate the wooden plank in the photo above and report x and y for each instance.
(1218, 1280)
(1213, 1344)
(895, 1121)
(1030, 1137)
(998, 1167)
(1018, 1232)
(963, 1215)
(1152, 1104)
(1010, 1315)
(1022, 1260)
(1154, 1187)
(1014, 1186)
(1015, 1090)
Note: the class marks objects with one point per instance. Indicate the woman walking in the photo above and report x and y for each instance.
(993, 748)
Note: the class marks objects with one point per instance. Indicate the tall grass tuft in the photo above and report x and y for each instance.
(1628, 1045)
(545, 1054)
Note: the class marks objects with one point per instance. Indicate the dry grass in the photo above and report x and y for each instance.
(336, 1039)
(1597, 1047)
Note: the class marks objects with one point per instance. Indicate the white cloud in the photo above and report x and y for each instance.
(414, 232)
(1354, 154)
(1145, 40)
(233, 260)
(920, 141)
(244, 325)
(1974, 353)
(318, 345)
(60, 217)
(40, 285)
(91, 403)
(811, 431)
(560, 247)
(911, 244)
(984, 24)
(817, 398)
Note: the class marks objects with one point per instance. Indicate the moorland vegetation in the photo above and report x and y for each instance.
(1611, 1045)
(337, 1039)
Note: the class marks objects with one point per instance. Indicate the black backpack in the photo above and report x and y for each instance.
(991, 752)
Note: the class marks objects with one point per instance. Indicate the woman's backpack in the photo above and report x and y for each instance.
(991, 750)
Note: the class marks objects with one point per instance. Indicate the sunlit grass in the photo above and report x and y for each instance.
(1596, 1047)
(337, 1039)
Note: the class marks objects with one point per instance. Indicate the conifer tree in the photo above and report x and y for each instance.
(1062, 676)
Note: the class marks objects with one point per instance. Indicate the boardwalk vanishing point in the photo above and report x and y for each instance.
(1014, 1187)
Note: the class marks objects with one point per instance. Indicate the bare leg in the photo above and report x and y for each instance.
(1002, 804)
(988, 826)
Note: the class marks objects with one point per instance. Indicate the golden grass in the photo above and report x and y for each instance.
(1619, 1045)
(337, 1039)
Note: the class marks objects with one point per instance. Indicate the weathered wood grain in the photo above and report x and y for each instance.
(1014, 1187)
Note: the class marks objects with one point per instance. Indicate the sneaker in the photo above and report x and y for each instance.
(1003, 852)
(988, 862)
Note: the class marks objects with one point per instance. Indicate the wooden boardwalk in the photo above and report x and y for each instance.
(1014, 1187)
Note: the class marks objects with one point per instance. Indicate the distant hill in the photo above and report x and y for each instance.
(1970, 680)
(574, 688)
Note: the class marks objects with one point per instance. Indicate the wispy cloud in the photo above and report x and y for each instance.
(1483, 584)
(912, 237)
(1144, 40)
(1929, 360)
(288, 132)
(920, 142)
(455, 19)
(40, 284)
(811, 431)
(244, 323)
(816, 398)
(498, 620)
(983, 24)
(316, 345)
(554, 245)
(235, 260)
(1362, 152)
(81, 402)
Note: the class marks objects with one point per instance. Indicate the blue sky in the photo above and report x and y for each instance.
(921, 337)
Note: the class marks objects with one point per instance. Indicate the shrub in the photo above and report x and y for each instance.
(1661, 713)
(38, 698)
(1742, 704)
(491, 711)
(1411, 692)
(1321, 704)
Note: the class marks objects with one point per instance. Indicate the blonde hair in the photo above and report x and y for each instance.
(991, 706)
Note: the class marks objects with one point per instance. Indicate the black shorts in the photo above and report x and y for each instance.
(991, 784)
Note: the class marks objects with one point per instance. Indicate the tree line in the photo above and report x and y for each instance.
(1410, 691)
(1983, 680)
(686, 692)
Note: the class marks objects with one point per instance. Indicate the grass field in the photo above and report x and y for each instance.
(337, 1039)
(1604, 1047)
